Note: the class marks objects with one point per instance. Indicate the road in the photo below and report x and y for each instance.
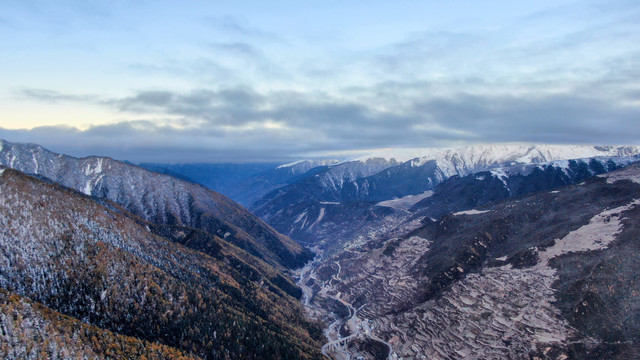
(357, 325)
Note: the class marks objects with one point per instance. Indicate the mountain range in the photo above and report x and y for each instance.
(345, 198)
(504, 251)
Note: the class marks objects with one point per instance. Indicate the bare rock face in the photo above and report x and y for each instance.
(550, 276)
(157, 198)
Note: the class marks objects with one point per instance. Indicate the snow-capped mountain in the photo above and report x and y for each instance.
(302, 166)
(551, 275)
(360, 182)
(157, 198)
(467, 192)
(499, 153)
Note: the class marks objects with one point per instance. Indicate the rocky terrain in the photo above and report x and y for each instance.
(551, 275)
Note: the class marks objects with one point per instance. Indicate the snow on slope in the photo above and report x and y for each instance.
(406, 202)
(463, 161)
(624, 174)
(466, 160)
(157, 198)
(310, 163)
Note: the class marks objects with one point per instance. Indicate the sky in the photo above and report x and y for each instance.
(246, 81)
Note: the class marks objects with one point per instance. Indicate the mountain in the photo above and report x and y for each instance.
(550, 275)
(81, 277)
(463, 193)
(222, 178)
(255, 187)
(244, 183)
(325, 199)
(158, 198)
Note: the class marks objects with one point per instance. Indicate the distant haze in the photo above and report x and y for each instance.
(276, 81)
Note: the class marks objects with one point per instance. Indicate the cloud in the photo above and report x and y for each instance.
(235, 106)
(51, 96)
(241, 49)
(238, 27)
(203, 69)
(544, 78)
(241, 124)
(247, 58)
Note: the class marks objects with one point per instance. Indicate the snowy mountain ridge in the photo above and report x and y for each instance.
(306, 163)
(452, 160)
(157, 198)
(459, 161)
(515, 169)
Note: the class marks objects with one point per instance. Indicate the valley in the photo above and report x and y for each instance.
(491, 288)
(488, 252)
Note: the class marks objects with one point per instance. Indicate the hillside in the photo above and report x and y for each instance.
(62, 249)
(354, 199)
(551, 275)
(158, 198)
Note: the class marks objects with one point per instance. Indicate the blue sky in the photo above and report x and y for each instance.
(270, 81)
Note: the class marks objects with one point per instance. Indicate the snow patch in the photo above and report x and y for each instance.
(320, 217)
(1, 170)
(596, 235)
(89, 170)
(35, 162)
(554, 192)
(501, 175)
(329, 203)
(471, 212)
(87, 188)
(290, 164)
(313, 163)
(297, 220)
(628, 173)
(404, 203)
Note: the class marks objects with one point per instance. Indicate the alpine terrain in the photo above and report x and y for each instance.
(504, 251)
(147, 267)
(158, 198)
(529, 258)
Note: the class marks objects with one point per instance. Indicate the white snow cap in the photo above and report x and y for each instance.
(499, 153)
(312, 162)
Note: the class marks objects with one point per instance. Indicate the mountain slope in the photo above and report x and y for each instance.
(550, 275)
(255, 187)
(244, 183)
(62, 249)
(467, 192)
(341, 199)
(32, 331)
(222, 178)
(158, 198)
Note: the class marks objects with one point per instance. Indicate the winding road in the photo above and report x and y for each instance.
(339, 345)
